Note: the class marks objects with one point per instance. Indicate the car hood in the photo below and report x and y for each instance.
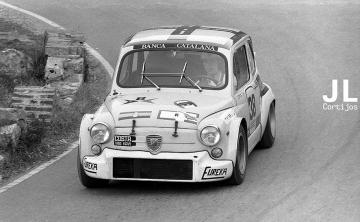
(163, 109)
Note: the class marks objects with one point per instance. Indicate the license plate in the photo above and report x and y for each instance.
(124, 140)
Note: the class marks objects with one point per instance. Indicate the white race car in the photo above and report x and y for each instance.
(186, 105)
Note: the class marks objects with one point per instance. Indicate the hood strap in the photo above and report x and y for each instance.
(133, 128)
(175, 134)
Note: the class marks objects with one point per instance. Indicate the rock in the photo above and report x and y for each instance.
(74, 66)
(13, 115)
(9, 135)
(14, 63)
(54, 69)
(66, 102)
(76, 78)
(66, 89)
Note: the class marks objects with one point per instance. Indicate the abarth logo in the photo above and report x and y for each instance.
(138, 99)
(154, 143)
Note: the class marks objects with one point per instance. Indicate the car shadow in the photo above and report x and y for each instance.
(128, 188)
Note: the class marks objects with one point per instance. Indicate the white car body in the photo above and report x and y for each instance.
(148, 111)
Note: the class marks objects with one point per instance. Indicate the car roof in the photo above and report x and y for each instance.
(218, 36)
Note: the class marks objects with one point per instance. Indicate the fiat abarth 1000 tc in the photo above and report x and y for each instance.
(186, 105)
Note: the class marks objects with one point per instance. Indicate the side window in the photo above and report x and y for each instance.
(135, 62)
(241, 70)
(250, 59)
(125, 70)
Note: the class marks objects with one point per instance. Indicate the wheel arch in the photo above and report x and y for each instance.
(234, 129)
(267, 98)
(244, 125)
(84, 135)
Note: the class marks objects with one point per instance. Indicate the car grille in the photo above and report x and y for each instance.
(152, 169)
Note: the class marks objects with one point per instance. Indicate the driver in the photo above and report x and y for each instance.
(215, 72)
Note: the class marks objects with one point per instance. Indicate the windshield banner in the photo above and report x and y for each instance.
(176, 46)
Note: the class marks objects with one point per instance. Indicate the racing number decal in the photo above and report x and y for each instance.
(252, 106)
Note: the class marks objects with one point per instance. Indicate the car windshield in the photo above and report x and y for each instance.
(173, 68)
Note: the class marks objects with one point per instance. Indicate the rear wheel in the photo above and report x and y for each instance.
(268, 137)
(87, 181)
(239, 169)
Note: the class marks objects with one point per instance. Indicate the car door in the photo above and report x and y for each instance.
(253, 95)
(247, 89)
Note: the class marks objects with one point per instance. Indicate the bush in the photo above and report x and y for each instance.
(34, 133)
(69, 118)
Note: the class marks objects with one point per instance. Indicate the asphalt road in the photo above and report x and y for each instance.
(311, 174)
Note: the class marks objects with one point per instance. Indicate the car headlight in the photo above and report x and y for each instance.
(100, 133)
(210, 135)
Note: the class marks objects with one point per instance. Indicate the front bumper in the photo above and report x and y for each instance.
(203, 168)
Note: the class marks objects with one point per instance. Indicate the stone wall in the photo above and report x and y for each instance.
(65, 65)
(64, 73)
(64, 45)
(37, 102)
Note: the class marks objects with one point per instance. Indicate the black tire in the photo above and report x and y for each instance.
(239, 170)
(87, 181)
(268, 137)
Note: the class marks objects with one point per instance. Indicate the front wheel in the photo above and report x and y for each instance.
(239, 169)
(268, 137)
(87, 181)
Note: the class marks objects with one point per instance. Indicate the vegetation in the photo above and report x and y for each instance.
(32, 47)
(43, 141)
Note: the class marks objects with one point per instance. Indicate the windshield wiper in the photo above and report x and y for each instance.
(181, 75)
(143, 76)
(188, 78)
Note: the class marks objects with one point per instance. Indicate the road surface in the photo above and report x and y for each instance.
(311, 174)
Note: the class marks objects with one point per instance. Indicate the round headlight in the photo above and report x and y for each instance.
(210, 135)
(100, 133)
